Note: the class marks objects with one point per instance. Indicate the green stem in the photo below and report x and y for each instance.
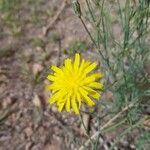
(101, 54)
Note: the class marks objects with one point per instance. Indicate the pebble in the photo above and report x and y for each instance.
(28, 131)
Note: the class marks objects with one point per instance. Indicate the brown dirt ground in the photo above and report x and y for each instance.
(25, 56)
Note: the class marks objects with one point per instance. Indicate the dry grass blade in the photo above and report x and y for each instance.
(51, 23)
(106, 125)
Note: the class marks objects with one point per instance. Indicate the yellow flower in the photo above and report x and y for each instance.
(73, 84)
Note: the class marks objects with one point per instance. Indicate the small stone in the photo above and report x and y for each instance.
(36, 101)
(5, 138)
(22, 136)
(37, 68)
(132, 146)
(6, 102)
(28, 131)
(54, 108)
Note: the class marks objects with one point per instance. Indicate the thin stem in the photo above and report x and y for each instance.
(86, 131)
(92, 39)
(59, 52)
(120, 12)
(101, 54)
(99, 22)
(88, 5)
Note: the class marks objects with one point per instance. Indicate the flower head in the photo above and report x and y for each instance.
(73, 84)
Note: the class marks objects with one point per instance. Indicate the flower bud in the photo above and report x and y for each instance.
(76, 8)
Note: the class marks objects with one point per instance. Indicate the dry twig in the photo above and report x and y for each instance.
(106, 125)
(54, 19)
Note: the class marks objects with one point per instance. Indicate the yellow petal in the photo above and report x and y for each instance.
(88, 90)
(91, 78)
(79, 99)
(96, 95)
(97, 75)
(57, 95)
(76, 62)
(57, 70)
(86, 64)
(90, 68)
(89, 101)
(88, 80)
(82, 65)
(74, 105)
(68, 104)
(96, 85)
(60, 106)
(68, 64)
(52, 101)
(51, 78)
(92, 92)
(86, 98)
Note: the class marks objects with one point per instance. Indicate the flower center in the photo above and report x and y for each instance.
(73, 82)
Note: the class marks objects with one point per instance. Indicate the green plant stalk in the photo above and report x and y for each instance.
(101, 12)
(101, 54)
(120, 12)
(105, 39)
(89, 8)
